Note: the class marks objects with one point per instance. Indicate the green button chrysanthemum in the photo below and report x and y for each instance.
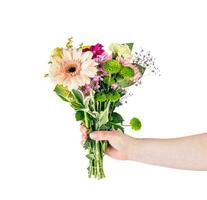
(135, 124)
(112, 66)
(113, 96)
(127, 72)
(100, 96)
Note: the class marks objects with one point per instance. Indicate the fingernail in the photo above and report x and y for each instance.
(93, 135)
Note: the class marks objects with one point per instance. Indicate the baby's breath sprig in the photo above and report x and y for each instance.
(144, 60)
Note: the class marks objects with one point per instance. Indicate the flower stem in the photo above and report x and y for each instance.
(109, 81)
(96, 149)
(86, 120)
(99, 161)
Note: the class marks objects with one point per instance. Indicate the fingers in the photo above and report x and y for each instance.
(83, 129)
(84, 138)
(103, 135)
(84, 134)
(110, 151)
(119, 141)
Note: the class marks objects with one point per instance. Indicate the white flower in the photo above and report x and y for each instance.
(121, 50)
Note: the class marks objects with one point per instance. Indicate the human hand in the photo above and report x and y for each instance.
(120, 145)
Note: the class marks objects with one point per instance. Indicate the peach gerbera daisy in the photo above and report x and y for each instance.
(73, 68)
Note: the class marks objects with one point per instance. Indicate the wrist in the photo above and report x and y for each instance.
(132, 148)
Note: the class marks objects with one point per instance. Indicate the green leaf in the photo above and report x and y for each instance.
(114, 55)
(79, 115)
(106, 126)
(125, 83)
(78, 96)
(108, 81)
(63, 92)
(116, 127)
(87, 144)
(103, 117)
(135, 124)
(130, 45)
(90, 105)
(64, 99)
(116, 118)
(141, 69)
(91, 120)
(90, 156)
(92, 114)
(77, 106)
(46, 75)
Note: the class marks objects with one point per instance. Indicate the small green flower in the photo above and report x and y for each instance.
(114, 96)
(112, 66)
(127, 72)
(135, 124)
(100, 96)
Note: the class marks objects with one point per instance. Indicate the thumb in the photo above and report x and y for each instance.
(116, 139)
(102, 135)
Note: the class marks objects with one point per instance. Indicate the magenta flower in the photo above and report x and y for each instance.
(95, 49)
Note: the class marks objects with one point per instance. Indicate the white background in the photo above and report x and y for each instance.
(40, 152)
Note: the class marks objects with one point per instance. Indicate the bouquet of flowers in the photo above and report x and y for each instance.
(94, 82)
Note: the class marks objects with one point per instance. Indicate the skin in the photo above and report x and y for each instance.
(188, 152)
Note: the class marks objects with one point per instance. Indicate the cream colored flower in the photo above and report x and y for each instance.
(73, 68)
(121, 50)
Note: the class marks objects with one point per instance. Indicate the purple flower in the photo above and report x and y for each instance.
(95, 49)
(94, 85)
(102, 72)
(97, 86)
(97, 78)
(103, 58)
(96, 81)
(87, 89)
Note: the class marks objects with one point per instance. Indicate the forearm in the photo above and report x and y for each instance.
(184, 153)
